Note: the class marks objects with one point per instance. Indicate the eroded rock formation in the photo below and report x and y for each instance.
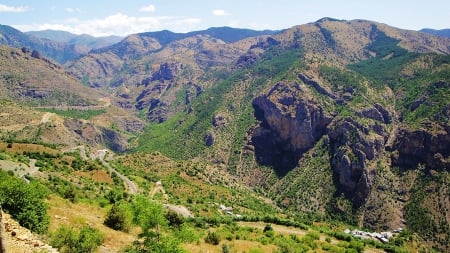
(290, 125)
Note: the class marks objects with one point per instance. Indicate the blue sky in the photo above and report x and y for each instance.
(123, 17)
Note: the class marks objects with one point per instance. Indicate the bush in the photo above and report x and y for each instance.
(68, 240)
(212, 238)
(148, 214)
(268, 228)
(24, 202)
(156, 243)
(175, 220)
(119, 218)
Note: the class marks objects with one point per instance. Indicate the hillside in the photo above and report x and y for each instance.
(83, 41)
(45, 104)
(321, 120)
(442, 32)
(44, 82)
(326, 125)
(58, 51)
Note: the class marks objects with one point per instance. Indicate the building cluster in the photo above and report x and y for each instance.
(228, 210)
(383, 237)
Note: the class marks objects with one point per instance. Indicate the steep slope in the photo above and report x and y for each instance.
(58, 51)
(31, 78)
(159, 75)
(83, 41)
(53, 107)
(333, 118)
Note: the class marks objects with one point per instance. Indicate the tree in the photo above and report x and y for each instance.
(24, 202)
(119, 217)
(175, 220)
(148, 214)
(68, 240)
(212, 238)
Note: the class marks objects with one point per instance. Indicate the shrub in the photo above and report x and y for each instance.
(24, 202)
(148, 214)
(267, 228)
(212, 238)
(156, 243)
(68, 240)
(119, 218)
(175, 220)
(226, 248)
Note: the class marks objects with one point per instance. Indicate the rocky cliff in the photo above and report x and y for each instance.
(290, 125)
(429, 147)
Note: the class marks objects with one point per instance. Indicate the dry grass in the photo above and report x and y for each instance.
(63, 212)
(100, 176)
(20, 148)
(236, 246)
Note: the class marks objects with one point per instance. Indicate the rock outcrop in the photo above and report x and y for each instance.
(352, 145)
(167, 71)
(21, 240)
(429, 146)
(290, 125)
(377, 112)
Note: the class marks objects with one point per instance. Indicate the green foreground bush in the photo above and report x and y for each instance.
(69, 240)
(24, 202)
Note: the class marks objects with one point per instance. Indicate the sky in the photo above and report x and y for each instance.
(124, 17)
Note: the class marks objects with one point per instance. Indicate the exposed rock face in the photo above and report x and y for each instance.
(352, 146)
(167, 71)
(290, 125)
(162, 81)
(94, 136)
(430, 147)
(377, 112)
(321, 89)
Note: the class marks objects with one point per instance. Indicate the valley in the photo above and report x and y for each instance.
(301, 133)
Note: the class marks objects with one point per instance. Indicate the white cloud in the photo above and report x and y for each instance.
(119, 24)
(16, 9)
(220, 13)
(73, 10)
(148, 8)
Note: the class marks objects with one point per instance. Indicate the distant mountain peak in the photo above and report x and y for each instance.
(441, 33)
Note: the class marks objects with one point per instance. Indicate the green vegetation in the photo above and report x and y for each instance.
(81, 240)
(76, 114)
(119, 217)
(181, 137)
(430, 223)
(25, 202)
(212, 238)
(384, 68)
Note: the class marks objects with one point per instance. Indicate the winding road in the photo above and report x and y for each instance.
(132, 187)
(100, 154)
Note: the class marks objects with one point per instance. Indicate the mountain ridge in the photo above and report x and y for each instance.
(342, 120)
(88, 41)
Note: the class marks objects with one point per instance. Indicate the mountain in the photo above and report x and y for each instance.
(58, 51)
(442, 32)
(332, 120)
(35, 89)
(44, 82)
(84, 40)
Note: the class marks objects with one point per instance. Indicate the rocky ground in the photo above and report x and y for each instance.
(21, 240)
